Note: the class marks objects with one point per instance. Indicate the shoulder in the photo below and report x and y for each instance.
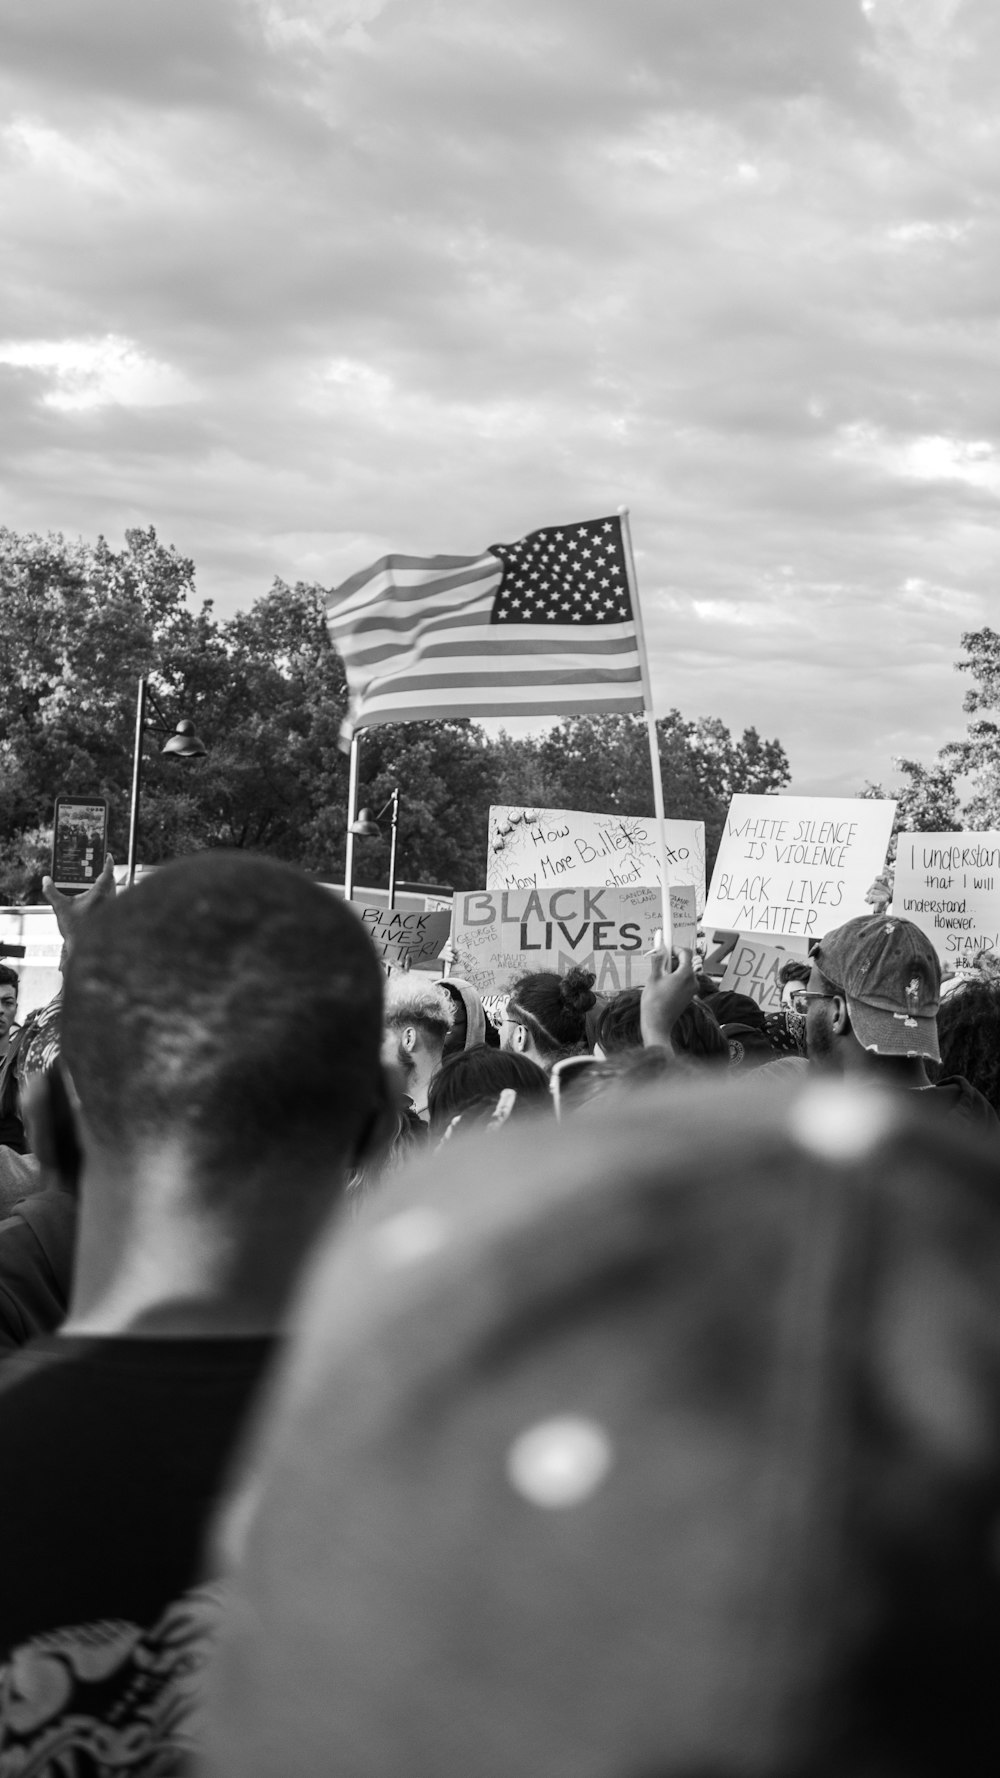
(958, 1095)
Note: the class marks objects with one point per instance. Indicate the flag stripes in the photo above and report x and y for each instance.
(522, 630)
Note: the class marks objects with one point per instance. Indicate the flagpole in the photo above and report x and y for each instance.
(352, 814)
(654, 749)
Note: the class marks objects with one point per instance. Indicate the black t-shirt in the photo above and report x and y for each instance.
(113, 1455)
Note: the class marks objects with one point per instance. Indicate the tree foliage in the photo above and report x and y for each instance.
(79, 624)
(607, 758)
(930, 797)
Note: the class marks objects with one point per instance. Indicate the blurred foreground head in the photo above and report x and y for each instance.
(668, 1445)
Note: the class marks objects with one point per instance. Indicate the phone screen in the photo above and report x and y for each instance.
(79, 841)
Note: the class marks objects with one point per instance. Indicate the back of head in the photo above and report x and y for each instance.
(731, 1008)
(228, 1005)
(618, 1025)
(794, 969)
(475, 1078)
(556, 1007)
(968, 1026)
(695, 1459)
(413, 999)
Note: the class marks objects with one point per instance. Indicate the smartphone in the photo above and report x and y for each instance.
(79, 841)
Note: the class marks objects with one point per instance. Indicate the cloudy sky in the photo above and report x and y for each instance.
(302, 281)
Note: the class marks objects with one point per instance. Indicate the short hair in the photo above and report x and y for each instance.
(556, 1006)
(475, 1076)
(794, 969)
(410, 1001)
(619, 1024)
(229, 1001)
(968, 1025)
(9, 978)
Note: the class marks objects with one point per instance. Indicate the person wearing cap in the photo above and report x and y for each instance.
(873, 997)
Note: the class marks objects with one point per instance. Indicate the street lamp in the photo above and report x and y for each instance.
(366, 827)
(184, 743)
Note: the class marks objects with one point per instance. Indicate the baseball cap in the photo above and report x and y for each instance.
(889, 971)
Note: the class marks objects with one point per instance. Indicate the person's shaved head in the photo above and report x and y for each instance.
(227, 1004)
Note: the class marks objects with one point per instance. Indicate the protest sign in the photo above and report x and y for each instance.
(499, 935)
(948, 884)
(797, 865)
(406, 938)
(752, 968)
(534, 848)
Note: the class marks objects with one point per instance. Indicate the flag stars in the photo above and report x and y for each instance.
(564, 576)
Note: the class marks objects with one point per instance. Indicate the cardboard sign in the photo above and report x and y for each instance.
(948, 884)
(404, 937)
(752, 969)
(539, 848)
(797, 865)
(499, 935)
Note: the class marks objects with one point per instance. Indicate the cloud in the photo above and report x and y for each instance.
(300, 281)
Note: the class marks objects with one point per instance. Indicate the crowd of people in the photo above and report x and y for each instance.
(606, 1387)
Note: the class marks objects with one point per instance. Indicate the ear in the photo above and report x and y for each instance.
(410, 1039)
(840, 1018)
(520, 1038)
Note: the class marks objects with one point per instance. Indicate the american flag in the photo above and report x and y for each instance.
(537, 628)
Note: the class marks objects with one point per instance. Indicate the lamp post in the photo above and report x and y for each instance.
(366, 827)
(182, 744)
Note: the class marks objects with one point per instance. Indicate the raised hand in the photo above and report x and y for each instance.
(671, 987)
(69, 910)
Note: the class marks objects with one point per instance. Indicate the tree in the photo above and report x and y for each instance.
(926, 803)
(929, 802)
(979, 754)
(602, 762)
(79, 624)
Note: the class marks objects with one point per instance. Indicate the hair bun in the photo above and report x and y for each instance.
(576, 990)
